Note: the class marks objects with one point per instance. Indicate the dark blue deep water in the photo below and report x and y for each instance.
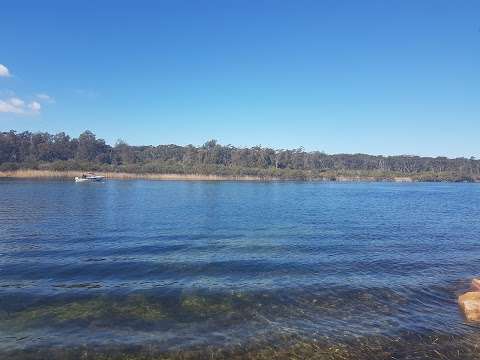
(190, 265)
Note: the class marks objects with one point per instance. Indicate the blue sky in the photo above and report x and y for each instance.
(378, 77)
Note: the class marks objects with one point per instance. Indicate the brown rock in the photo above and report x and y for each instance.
(470, 304)
(476, 284)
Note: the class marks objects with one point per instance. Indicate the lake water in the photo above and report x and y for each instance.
(145, 267)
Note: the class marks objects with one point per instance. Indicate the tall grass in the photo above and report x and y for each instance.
(32, 174)
(326, 176)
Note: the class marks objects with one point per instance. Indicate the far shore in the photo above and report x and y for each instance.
(49, 174)
(52, 174)
(38, 174)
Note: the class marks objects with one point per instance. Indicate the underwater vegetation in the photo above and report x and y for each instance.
(407, 346)
(130, 310)
(144, 310)
(141, 311)
(85, 310)
(202, 306)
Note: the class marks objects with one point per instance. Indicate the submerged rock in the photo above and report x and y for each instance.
(470, 304)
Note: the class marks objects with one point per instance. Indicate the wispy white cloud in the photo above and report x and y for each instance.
(15, 105)
(45, 98)
(34, 106)
(4, 72)
(19, 103)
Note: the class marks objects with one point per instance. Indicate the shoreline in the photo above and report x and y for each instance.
(50, 174)
(71, 174)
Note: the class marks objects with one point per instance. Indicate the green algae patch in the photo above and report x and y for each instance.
(135, 308)
(58, 313)
(141, 308)
(204, 306)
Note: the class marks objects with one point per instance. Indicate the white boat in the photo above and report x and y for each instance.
(89, 178)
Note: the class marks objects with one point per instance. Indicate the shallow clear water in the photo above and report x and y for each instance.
(182, 264)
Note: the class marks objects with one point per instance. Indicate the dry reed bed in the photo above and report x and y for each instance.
(38, 174)
(35, 174)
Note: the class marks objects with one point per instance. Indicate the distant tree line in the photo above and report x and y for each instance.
(87, 152)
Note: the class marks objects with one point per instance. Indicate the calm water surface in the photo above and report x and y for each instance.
(178, 265)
